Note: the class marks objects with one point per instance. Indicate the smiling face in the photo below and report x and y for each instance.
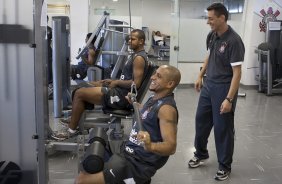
(215, 22)
(164, 80)
(160, 80)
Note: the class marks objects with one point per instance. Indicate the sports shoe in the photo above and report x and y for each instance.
(195, 162)
(65, 134)
(65, 122)
(222, 175)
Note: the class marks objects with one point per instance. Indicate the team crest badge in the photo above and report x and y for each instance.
(144, 115)
(222, 47)
(267, 16)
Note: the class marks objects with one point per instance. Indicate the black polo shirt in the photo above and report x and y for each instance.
(225, 51)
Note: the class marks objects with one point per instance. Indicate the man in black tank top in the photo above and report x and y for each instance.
(137, 159)
(110, 93)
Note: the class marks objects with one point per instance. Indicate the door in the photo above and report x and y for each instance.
(174, 38)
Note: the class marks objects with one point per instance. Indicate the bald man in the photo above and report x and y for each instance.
(147, 150)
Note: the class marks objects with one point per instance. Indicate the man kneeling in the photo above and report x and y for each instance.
(137, 159)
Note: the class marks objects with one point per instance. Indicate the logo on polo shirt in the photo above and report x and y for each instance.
(222, 47)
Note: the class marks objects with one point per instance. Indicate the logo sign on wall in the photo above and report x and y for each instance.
(268, 15)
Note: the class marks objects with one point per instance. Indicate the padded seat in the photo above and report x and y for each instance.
(118, 112)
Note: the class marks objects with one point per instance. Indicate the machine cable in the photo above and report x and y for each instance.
(137, 114)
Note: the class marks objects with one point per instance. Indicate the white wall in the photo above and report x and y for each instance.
(155, 14)
(192, 40)
(78, 15)
(193, 9)
(79, 26)
(192, 46)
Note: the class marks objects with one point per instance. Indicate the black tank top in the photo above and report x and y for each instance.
(150, 122)
(127, 72)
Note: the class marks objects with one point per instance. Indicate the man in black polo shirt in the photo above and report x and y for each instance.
(218, 95)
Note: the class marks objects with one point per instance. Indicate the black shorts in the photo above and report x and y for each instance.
(115, 98)
(119, 169)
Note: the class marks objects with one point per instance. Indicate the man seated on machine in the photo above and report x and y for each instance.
(137, 159)
(111, 93)
(79, 71)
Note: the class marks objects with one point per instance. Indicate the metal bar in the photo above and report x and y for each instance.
(269, 74)
(64, 146)
(57, 68)
(96, 124)
(118, 53)
(42, 112)
(260, 72)
(111, 30)
(96, 32)
(121, 25)
(120, 61)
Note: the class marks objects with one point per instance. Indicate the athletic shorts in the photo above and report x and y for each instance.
(115, 98)
(119, 169)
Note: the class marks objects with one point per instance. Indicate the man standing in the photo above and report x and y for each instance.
(218, 95)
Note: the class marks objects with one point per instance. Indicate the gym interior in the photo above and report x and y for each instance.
(32, 107)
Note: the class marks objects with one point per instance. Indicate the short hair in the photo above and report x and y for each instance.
(140, 33)
(88, 36)
(173, 74)
(219, 9)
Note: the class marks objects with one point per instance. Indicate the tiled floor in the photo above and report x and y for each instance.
(258, 149)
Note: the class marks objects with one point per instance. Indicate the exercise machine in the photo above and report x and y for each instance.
(110, 121)
(270, 60)
(112, 48)
(61, 64)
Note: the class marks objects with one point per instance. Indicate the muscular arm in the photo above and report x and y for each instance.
(168, 126)
(138, 72)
